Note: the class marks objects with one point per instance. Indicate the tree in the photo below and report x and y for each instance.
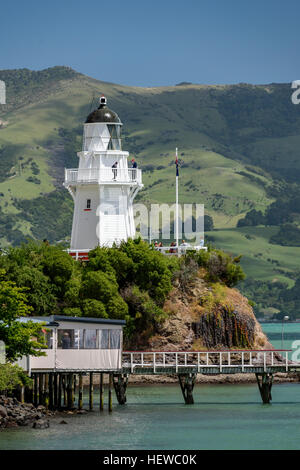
(49, 275)
(208, 223)
(12, 376)
(20, 338)
(252, 218)
(153, 271)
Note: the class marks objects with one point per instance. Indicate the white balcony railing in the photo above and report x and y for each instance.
(181, 250)
(103, 175)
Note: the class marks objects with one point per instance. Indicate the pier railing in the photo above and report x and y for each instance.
(233, 361)
(102, 175)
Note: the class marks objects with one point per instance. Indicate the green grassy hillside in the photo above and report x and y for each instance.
(237, 145)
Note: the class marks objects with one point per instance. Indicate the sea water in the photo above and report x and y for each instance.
(229, 416)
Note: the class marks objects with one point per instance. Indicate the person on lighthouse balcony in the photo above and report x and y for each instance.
(134, 166)
(115, 170)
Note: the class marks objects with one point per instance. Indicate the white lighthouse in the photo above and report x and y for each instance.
(103, 187)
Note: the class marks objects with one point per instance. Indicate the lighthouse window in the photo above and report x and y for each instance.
(115, 137)
(88, 203)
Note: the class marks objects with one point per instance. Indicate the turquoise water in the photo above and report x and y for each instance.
(223, 417)
(291, 333)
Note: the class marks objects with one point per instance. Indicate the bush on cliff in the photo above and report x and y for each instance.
(219, 266)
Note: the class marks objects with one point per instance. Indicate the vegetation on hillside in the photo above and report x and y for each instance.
(283, 212)
(273, 299)
(55, 208)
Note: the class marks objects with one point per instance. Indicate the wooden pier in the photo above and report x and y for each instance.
(187, 364)
(57, 389)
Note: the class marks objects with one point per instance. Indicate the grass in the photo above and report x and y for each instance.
(18, 186)
(258, 253)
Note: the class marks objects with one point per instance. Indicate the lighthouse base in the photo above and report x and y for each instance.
(79, 255)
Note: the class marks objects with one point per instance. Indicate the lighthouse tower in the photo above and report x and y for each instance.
(103, 187)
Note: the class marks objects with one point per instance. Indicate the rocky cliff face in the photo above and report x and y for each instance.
(207, 316)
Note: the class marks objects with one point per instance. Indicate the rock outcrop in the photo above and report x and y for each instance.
(14, 414)
(207, 316)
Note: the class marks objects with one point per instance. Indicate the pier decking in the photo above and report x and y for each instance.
(53, 386)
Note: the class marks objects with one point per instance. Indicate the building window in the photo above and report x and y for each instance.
(48, 338)
(115, 339)
(90, 339)
(88, 203)
(109, 339)
(104, 339)
(66, 339)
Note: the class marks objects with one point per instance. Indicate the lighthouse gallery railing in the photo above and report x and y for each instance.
(101, 175)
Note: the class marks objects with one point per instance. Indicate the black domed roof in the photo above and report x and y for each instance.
(103, 114)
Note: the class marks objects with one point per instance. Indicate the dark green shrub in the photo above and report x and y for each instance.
(99, 285)
(220, 266)
(11, 377)
(94, 308)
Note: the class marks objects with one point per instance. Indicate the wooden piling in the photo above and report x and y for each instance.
(74, 389)
(187, 382)
(51, 391)
(46, 391)
(35, 389)
(55, 394)
(28, 394)
(91, 391)
(22, 393)
(101, 392)
(70, 399)
(80, 392)
(60, 391)
(120, 382)
(41, 389)
(110, 393)
(64, 378)
(265, 382)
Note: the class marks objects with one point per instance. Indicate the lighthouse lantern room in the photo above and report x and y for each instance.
(103, 187)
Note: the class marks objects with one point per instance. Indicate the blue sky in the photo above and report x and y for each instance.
(152, 43)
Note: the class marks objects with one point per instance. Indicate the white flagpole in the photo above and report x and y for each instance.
(176, 215)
